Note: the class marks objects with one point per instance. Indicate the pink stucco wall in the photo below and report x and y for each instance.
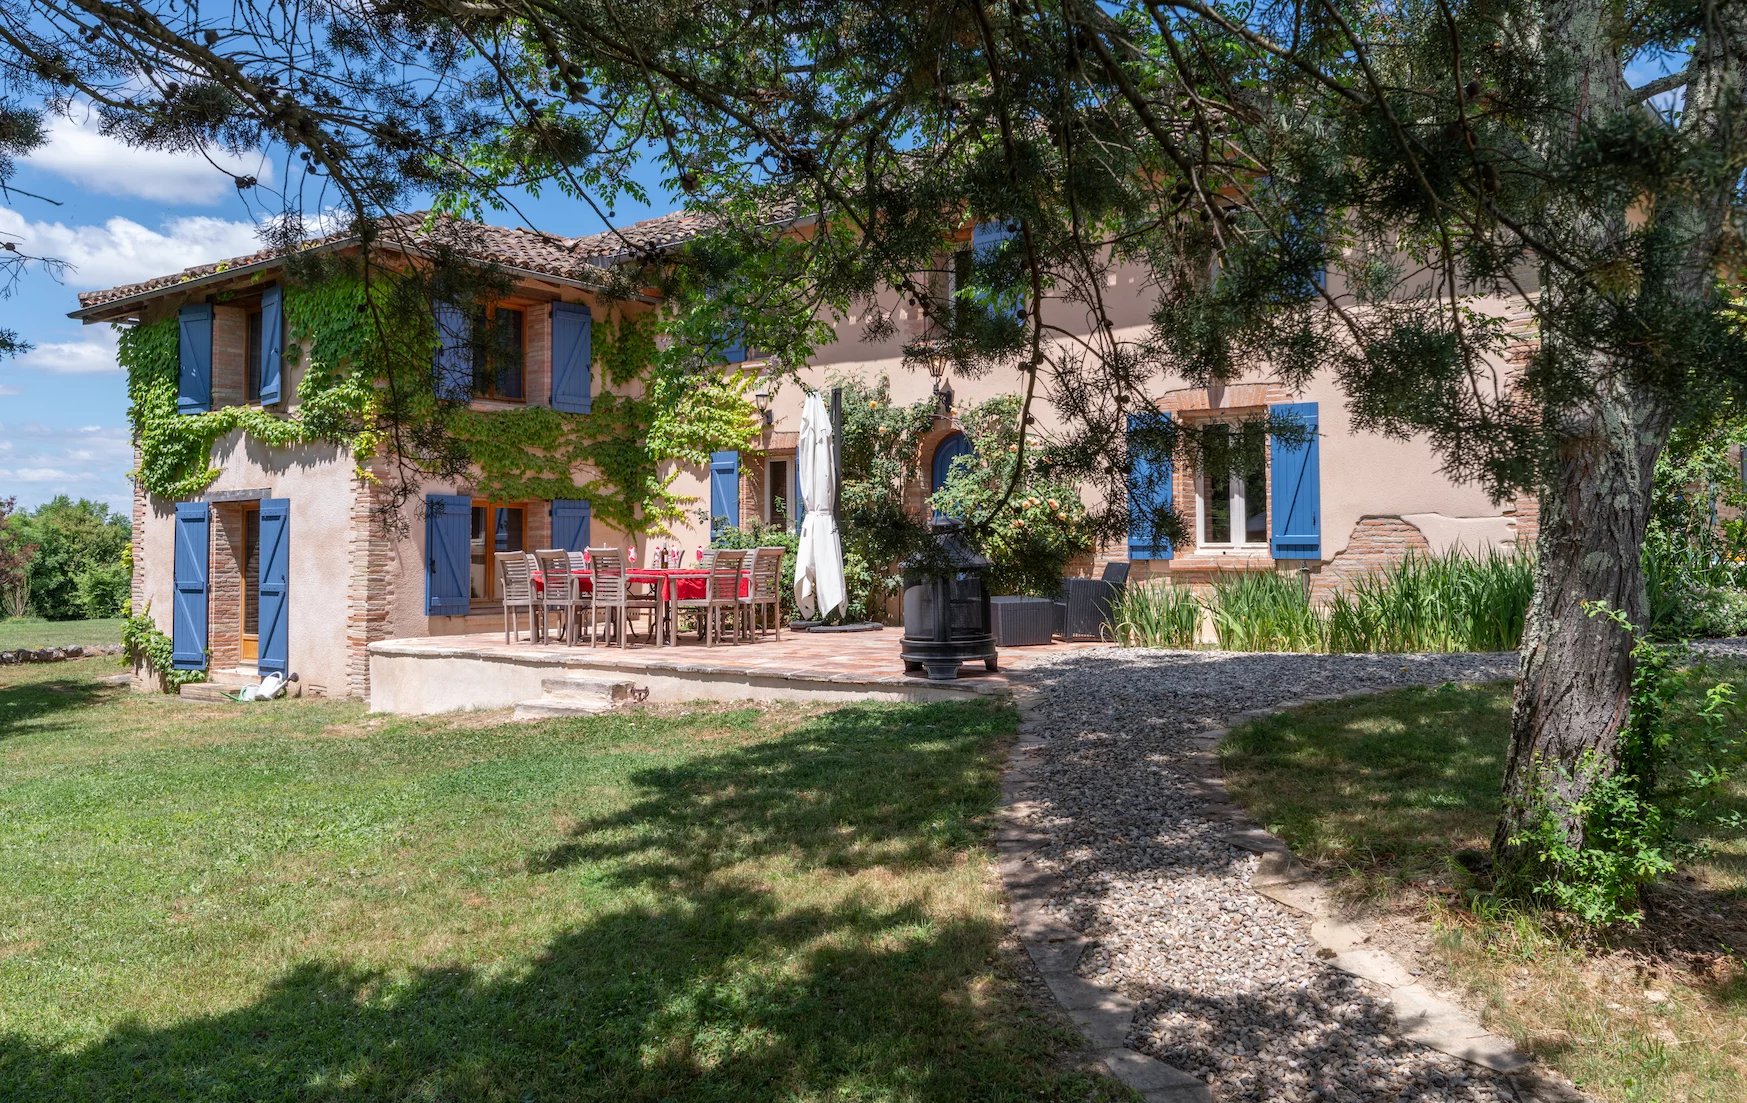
(317, 478)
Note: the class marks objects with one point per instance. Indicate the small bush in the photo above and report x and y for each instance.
(757, 534)
(143, 643)
(1156, 614)
(101, 589)
(1719, 613)
(1623, 848)
(1255, 611)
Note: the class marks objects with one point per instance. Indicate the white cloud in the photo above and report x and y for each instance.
(44, 475)
(84, 461)
(123, 251)
(77, 151)
(8, 392)
(88, 355)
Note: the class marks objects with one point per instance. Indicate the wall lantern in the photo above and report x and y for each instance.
(934, 354)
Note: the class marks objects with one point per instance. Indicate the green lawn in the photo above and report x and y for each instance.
(299, 901)
(1383, 793)
(16, 632)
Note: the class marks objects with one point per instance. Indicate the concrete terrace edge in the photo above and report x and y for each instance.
(445, 679)
(1427, 1016)
(1101, 1012)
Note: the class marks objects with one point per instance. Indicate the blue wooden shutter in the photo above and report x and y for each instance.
(735, 352)
(572, 358)
(275, 586)
(453, 369)
(448, 527)
(800, 498)
(570, 524)
(986, 240)
(272, 343)
(1295, 475)
(188, 618)
(724, 490)
(1149, 493)
(194, 351)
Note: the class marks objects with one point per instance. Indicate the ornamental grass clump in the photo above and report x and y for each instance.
(1156, 614)
(1454, 601)
(1264, 612)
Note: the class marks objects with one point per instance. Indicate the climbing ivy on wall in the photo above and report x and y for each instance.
(176, 449)
(659, 407)
(657, 410)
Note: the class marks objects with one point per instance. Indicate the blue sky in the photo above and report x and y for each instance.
(125, 215)
(128, 214)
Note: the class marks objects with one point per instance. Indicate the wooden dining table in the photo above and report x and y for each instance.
(670, 585)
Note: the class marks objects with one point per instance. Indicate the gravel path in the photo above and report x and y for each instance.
(1229, 985)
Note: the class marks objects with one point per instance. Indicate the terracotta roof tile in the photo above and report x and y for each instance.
(503, 245)
(662, 232)
(578, 258)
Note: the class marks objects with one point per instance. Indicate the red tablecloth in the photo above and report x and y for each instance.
(690, 582)
(587, 582)
(682, 583)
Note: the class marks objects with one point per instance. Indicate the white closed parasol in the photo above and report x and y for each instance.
(819, 565)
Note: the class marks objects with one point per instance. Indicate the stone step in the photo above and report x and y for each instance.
(584, 687)
(574, 695)
(546, 708)
(217, 684)
(205, 691)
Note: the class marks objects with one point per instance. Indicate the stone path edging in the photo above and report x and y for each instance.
(1105, 1014)
(1102, 1013)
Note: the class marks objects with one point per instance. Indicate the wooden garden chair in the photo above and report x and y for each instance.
(562, 593)
(721, 594)
(763, 599)
(515, 584)
(612, 594)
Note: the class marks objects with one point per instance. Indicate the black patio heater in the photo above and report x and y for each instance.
(946, 606)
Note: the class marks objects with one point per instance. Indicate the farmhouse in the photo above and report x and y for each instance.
(273, 539)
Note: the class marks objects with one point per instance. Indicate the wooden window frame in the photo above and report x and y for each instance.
(484, 367)
(787, 489)
(254, 363)
(492, 598)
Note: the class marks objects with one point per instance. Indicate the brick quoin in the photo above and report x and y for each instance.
(137, 584)
(370, 581)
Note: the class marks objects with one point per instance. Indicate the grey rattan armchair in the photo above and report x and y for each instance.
(1085, 605)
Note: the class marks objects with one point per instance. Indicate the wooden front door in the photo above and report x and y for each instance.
(251, 582)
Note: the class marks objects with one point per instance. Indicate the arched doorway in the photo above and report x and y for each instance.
(945, 452)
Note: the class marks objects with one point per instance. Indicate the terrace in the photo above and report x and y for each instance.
(480, 671)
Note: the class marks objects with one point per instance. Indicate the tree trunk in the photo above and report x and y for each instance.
(1576, 674)
(1595, 504)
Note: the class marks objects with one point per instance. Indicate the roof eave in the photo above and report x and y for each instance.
(118, 309)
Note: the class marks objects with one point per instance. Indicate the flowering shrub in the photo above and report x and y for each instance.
(1031, 534)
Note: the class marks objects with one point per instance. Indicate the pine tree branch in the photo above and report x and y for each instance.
(1658, 86)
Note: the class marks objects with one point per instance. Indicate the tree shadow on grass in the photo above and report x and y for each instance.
(850, 789)
(711, 976)
(717, 996)
(25, 704)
